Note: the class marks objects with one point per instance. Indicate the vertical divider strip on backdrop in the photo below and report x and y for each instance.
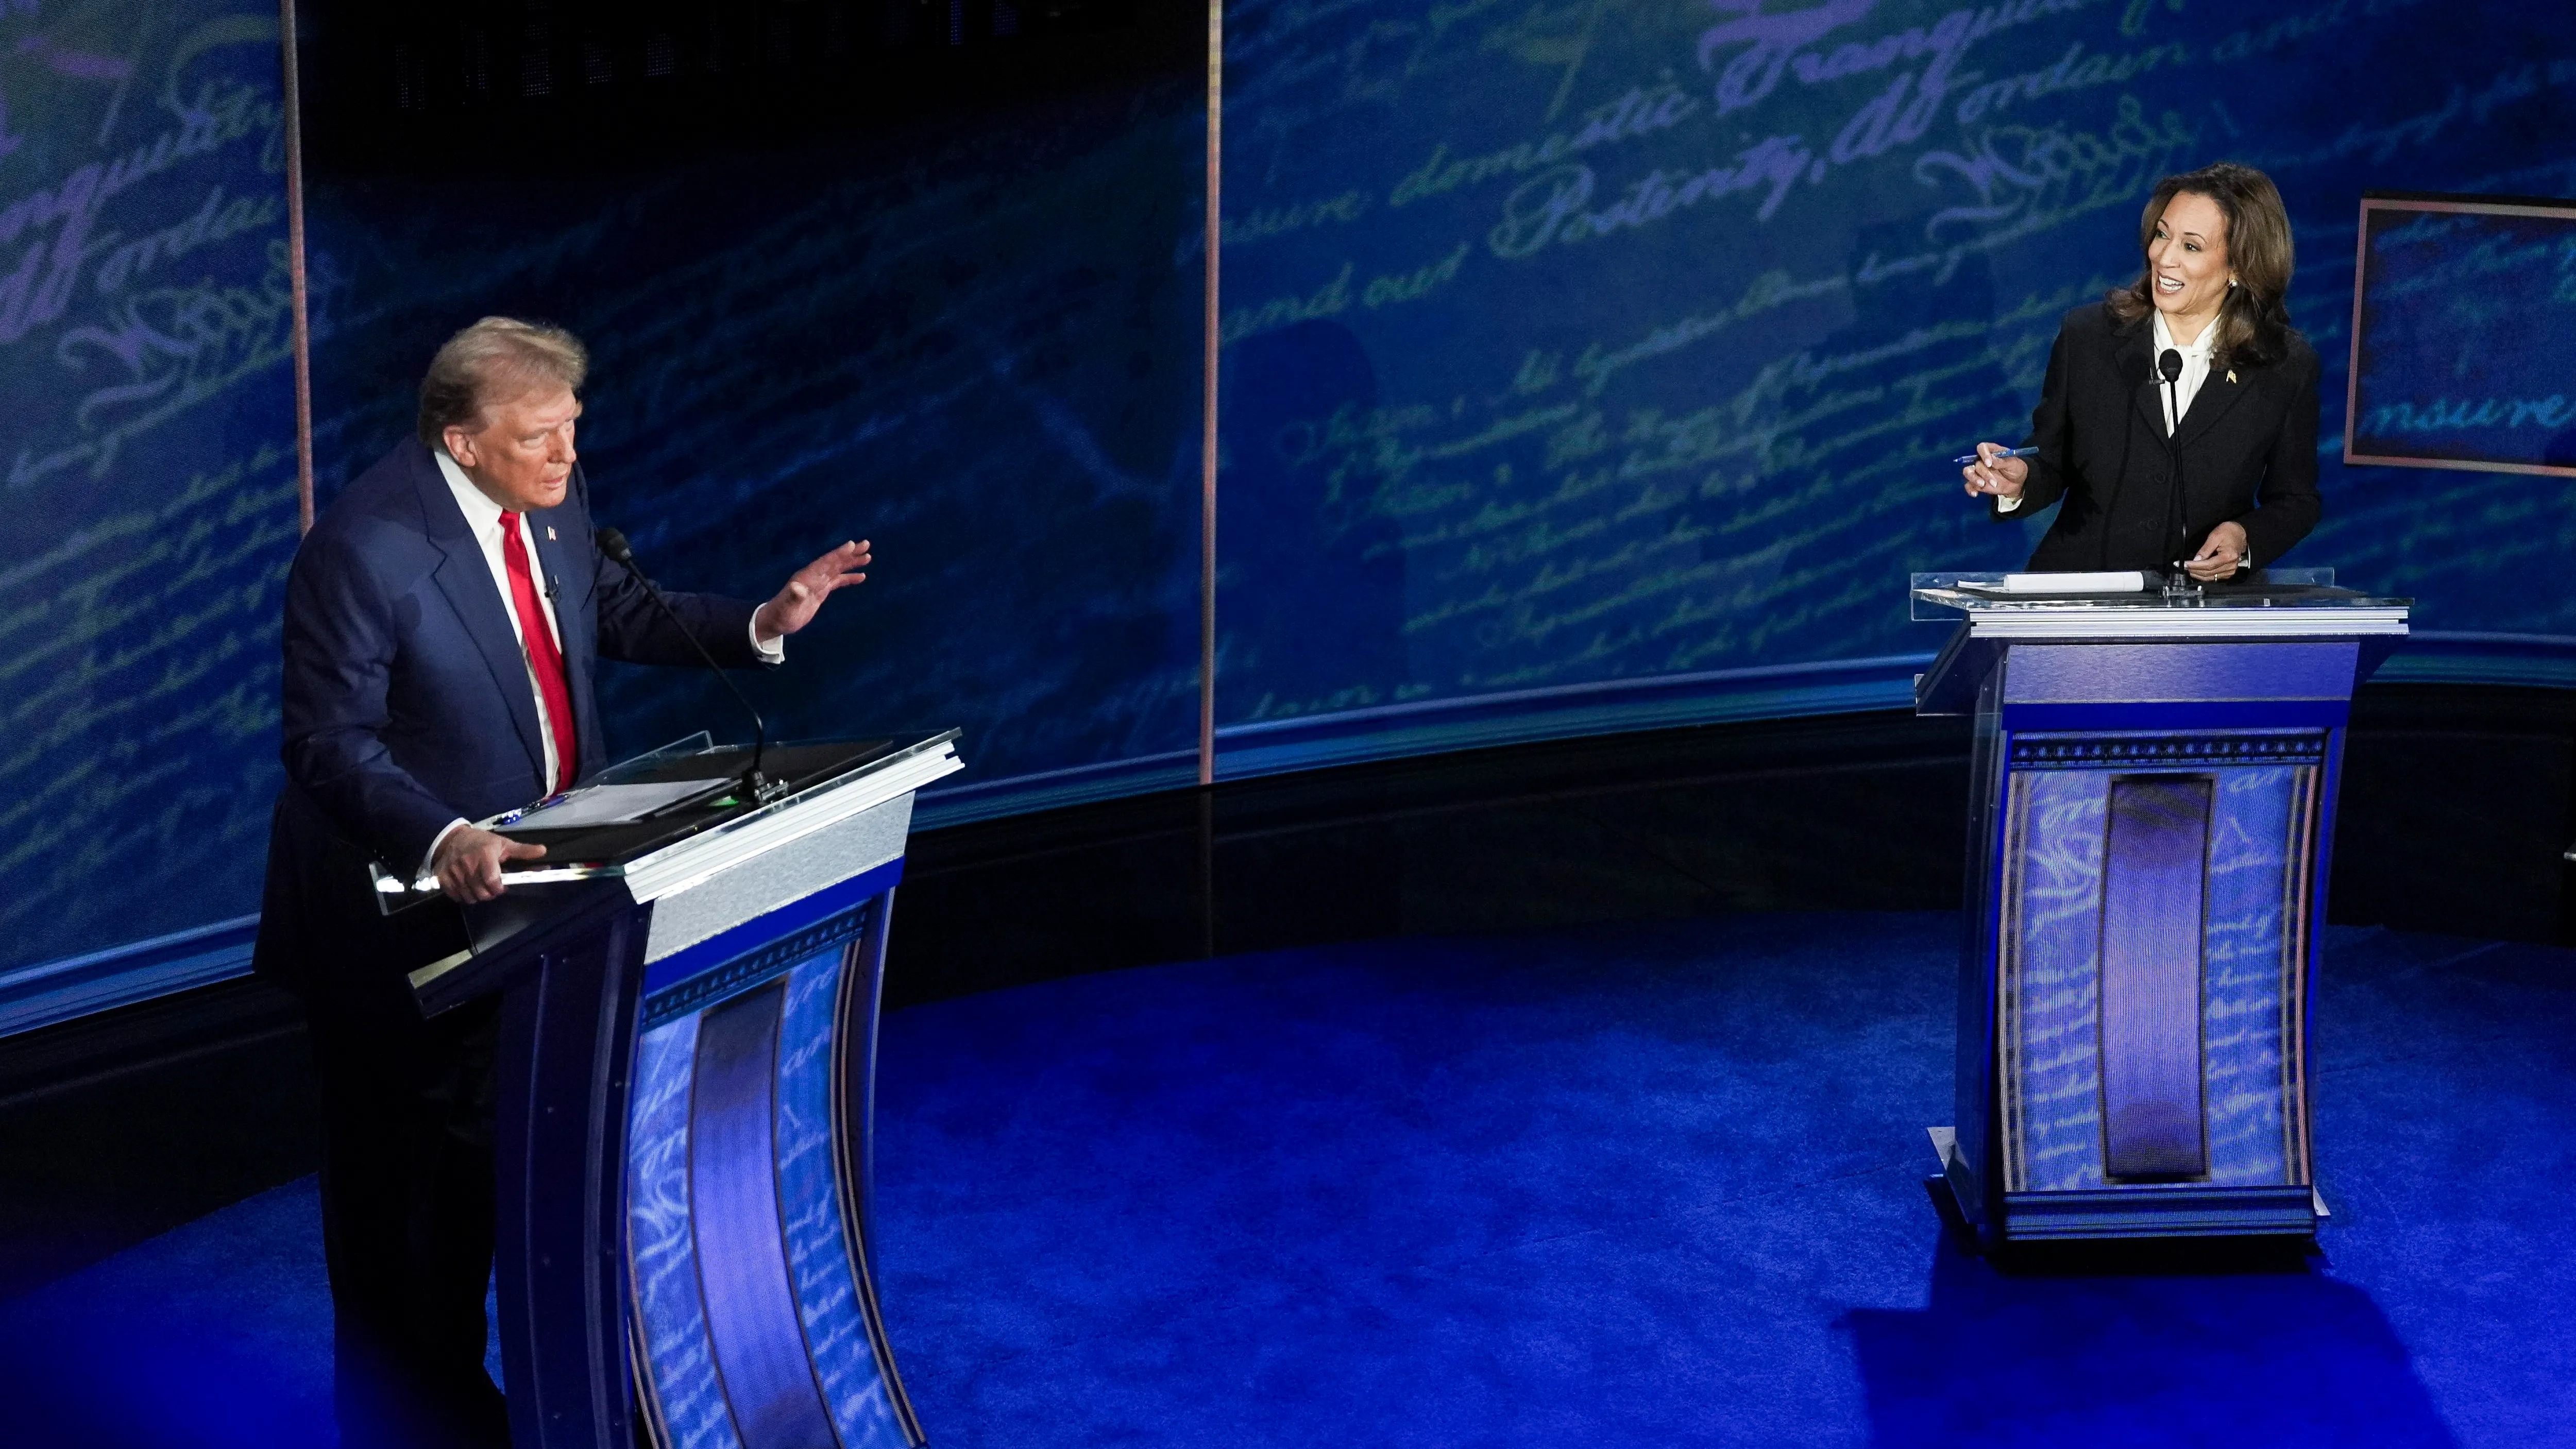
(293, 125)
(1208, 401)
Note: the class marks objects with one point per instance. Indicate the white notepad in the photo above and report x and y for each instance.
(2128, 582)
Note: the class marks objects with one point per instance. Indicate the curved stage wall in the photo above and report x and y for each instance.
(1603, 344)
(147, 467)
(1583, 371)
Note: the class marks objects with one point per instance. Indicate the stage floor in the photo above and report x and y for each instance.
(1648, 1184)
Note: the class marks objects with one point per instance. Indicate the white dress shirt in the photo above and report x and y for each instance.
(483, 520)
(2195, 370)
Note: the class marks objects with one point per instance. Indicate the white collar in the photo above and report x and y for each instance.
(2200, 345)
(482, 515)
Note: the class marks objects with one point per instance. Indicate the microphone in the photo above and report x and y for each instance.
(613, 545)
(2170, 364)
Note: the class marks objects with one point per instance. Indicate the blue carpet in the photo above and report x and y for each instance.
(215, 1336)
(1649, 1184)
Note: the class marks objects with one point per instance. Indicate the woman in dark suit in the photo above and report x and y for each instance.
(2201, 337)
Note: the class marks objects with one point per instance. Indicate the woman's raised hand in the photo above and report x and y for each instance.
(1996, 473)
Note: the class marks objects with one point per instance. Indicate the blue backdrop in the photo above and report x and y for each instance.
(1588, 342)
(964, 338)
(148, 449)
(1565, 346)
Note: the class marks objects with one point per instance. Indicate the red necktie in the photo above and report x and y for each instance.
(545, 660)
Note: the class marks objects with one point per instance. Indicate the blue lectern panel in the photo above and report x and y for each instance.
(735, 1210)
(2155, 854)
(827, 1296)
(677, 1362)
(2254, 942)
(754, 1327)
(2053, 1069)
(2322, 669)
(2064, 921)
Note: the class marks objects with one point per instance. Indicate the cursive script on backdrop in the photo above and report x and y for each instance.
(147, 464)
(1740, 275)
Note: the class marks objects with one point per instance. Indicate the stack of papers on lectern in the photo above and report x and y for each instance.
(2128, 582)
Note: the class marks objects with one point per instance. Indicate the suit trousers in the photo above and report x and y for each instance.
(408, 1223)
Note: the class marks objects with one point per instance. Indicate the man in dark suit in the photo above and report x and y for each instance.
(442, 623)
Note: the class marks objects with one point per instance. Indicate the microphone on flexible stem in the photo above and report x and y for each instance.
(2178, 526)
(613, 545)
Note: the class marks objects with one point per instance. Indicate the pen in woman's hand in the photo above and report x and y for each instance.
(2010, 453)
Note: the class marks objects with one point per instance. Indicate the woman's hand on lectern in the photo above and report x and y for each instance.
(2221, 556)
(1996, 473)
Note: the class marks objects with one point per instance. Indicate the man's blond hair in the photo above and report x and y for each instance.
(491, 362)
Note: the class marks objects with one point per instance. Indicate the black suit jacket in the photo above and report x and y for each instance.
(2248, 449)
(406, 704)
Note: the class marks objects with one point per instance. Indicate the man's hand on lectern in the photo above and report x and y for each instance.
(468, 862)
(794, 606)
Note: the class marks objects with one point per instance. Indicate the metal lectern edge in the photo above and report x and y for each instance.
(854, 1100)
(566, 1046)
(791, 870)
(673, 973)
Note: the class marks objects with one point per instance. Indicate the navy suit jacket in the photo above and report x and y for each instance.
(2248, 448)
(406, 704)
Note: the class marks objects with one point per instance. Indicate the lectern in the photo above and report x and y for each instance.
(2152, 799)
(690, 983)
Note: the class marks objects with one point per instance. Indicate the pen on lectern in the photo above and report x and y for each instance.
(2008, 453)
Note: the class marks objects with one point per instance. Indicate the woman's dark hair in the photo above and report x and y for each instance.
(2254, 320)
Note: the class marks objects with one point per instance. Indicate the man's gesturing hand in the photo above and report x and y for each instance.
(468, 862)
(807, 588)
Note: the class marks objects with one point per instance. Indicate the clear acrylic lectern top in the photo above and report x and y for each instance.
(2273, 603)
